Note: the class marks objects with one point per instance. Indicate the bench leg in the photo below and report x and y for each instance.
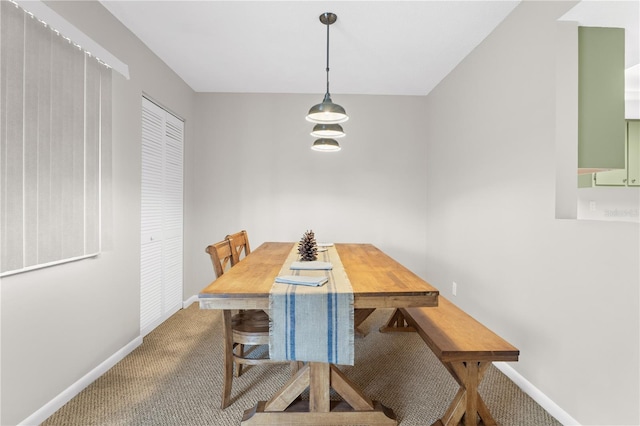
(467, 407)
(396, 322)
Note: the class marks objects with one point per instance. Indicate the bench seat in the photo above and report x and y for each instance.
(454, 335)
(465, 347)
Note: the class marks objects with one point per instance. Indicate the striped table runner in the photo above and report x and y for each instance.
(312, 323)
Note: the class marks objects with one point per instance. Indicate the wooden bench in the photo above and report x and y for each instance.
(465, 347)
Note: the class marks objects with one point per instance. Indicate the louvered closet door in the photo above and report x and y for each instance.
(161, 216)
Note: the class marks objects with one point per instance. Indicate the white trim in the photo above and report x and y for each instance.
(189, 301)
(65, 396)
(165, 316)
(543, 400)
(44, 13)
(46, 265)
(148, 97)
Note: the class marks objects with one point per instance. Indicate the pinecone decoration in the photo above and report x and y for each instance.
(307, 249)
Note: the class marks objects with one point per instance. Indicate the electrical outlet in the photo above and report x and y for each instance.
(592, 206)
(454, 288)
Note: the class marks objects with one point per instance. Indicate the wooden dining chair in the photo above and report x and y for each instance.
(249, 327)
(239, 244)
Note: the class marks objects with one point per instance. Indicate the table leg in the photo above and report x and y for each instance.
(285, 407)
(319, 387)
(228, 359)
(396, 322)
(359, 315)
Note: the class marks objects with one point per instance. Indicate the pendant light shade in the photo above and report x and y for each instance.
(328, 131)
(326, 145)
(327, 112)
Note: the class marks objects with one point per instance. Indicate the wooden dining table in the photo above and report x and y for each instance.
(378, 281)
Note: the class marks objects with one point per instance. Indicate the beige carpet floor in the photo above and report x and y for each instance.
(175, 378)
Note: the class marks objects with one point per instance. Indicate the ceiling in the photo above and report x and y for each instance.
(376, 47)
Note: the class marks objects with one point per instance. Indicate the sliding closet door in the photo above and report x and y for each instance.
(161, 216)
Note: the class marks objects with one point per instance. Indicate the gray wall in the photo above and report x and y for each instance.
(59, 323)
(254, 170)
(565, 292)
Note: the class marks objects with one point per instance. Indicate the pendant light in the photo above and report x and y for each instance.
(327, 115)
(327, 112)
(326, 145)
(328, 131)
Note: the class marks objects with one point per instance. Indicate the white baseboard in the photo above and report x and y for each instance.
(65, 396)
(189, 301)
(536, 394)
(54, 405)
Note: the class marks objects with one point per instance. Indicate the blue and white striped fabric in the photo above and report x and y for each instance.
(313, 323)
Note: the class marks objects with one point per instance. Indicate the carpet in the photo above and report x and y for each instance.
(175, 378)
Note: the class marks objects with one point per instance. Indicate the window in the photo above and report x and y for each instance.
(55, 141)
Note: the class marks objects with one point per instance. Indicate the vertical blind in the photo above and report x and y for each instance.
(55, 142)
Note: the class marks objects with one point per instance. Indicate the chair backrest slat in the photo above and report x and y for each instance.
(239, 244)
(222, 256)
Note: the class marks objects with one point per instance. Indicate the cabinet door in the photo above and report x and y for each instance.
(601, 123)
(611, 178)
(614, 177)
(633, 147)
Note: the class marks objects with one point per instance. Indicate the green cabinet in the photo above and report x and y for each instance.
(601, 123)
(586, 180)
(616, 177)
(630, 175)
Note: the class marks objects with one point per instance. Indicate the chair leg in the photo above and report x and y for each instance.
(240, 353)
(228, 359)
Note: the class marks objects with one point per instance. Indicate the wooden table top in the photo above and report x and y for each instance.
(377, 280)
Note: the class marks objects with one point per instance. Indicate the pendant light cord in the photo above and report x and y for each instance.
(328, 54)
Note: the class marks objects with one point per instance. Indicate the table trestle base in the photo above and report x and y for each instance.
(285, 407)
(340, 413)
(359, 315)
(439, 423)
(396, 322)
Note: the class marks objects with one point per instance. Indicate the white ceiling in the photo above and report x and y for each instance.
(376, 47)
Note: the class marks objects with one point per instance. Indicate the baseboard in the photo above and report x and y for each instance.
(536, 394)
(65, 396)
(189, 301)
